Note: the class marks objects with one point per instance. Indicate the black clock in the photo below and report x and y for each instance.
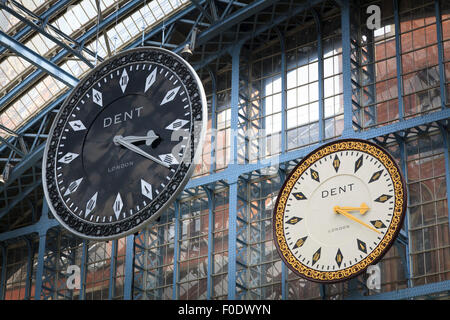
(124, 143)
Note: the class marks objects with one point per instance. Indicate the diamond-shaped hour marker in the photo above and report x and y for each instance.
(124, 80)
(90, 205)
(73, 186)
(177, 124)
(97, 97)
(146, 189)
(339, 257)
(150, 80)
(118, 205)
(376, 176)
(299, 242)
(294, 220)
(299, 196)
(383, 198)
(361, 245)
(314, 175)
(316, 256)
(168, 158)
(336, 163)
(77, 125)
(170, 95)
(378, 224)
(68, 157)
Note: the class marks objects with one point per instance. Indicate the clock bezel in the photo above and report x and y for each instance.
(328, 277)
(198, 107)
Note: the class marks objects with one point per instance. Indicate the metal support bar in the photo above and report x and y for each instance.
(113, 270)
(210, 196)
(203, 10)
(439, 39)
(176, 250)
(37, 60)
(41, 30)
(320, 74)
(398, 59)
(129, 262)
(346, 69)
(83, 269)
(127, 8)
(52, 10)
(3, 274)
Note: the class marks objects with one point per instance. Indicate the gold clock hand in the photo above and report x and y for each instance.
(348, 215)
(362, 209)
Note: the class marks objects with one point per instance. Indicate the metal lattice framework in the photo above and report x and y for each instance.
(225, 32)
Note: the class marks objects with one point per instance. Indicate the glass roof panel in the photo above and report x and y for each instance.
(48, 87)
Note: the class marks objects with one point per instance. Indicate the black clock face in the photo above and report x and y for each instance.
(124, 143)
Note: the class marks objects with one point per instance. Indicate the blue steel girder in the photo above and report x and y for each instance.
(40, 25)
(37, 60)
(53, 10)
(61, 55)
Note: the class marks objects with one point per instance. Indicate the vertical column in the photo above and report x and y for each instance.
(404, 168)
(210, 196)
(232, 234)
(43, 221)
(283, 90)
(213, 121)
(29, 269)
(320, 74)
(176, 250)
(346, 68)
(112, 270)
(234, 123)
(398, 58)
(447, 164)
(232, 182)
(3, 275)
(83, 269)
(40, 264)
(284, 270)
(443, 92)
(129, 262)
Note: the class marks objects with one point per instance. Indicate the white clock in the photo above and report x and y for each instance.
(339, 210)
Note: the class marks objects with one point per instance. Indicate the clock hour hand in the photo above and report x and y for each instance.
(120, 140)
(348, 215)
(149, 138)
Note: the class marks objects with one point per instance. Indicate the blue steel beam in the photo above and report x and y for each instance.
(37, 60)
(54, 9)
(398, 61)
(42, 31)
(346, 68)
(439, 37)
(127, 8)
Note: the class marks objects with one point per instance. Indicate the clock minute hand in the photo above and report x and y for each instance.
(149, 138)
(120, 140)
(348, 215)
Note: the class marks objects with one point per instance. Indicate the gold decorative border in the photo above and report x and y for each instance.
(378, 252)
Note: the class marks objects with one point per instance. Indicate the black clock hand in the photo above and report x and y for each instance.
(120, 140)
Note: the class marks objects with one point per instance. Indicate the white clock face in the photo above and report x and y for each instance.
(340, 212)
